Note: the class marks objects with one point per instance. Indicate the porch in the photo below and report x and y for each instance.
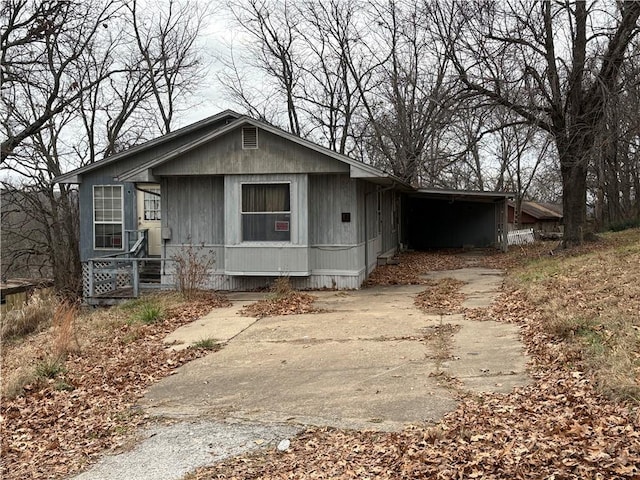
(113, 279)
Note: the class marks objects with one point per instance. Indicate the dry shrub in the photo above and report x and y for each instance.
(192, 269)
(281, 287)
(65, 340)
(34, 316)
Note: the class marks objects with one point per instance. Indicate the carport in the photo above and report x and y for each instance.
(455, 219)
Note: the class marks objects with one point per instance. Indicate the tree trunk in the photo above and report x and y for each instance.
(573, 166)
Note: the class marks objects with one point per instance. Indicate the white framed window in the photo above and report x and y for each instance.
(108, 227)
(266, 212)
(152, 204)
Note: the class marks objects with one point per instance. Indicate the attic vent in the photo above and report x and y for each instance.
(249, 138)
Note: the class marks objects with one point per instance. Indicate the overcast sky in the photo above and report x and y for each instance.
(217, 39)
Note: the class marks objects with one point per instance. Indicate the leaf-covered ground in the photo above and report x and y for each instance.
(60, 424)
(289, 303)
(567, 424)
(441, 297)
(578, 419)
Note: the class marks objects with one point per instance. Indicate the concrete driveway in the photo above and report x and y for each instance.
(364, 363)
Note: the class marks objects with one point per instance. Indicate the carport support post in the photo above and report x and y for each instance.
(505, 224)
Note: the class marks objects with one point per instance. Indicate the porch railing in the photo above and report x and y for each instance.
(118, 275)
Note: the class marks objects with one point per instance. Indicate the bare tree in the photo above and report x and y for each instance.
(615, 174)
(382, 94)
(330, 94)
(414, 98)
(271, 26)
(166, 40)
(41, 44)
(80, 90)
(512, 54)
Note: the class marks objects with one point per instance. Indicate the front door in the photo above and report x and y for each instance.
(149, 215)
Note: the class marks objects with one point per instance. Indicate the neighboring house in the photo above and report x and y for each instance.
(266, 203)
(542, 217)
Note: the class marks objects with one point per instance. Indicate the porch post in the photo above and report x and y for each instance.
(136, 278)
(505, 220)
(91, 278)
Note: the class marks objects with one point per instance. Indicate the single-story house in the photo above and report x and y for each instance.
(542, 217)
(266, 203)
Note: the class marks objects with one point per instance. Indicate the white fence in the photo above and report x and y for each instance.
(520, 237)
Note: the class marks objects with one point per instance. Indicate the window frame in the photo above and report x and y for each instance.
(121, 222)
(147, 196)
(289, 212)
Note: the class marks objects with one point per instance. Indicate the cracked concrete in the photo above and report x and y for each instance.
(485, 356)
(361, 364)
(351, 367)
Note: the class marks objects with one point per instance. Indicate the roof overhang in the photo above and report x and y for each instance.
(463, 195)
(75, 176)
(357, 169)
(68, 179)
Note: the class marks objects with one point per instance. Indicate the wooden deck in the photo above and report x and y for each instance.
(121, 295)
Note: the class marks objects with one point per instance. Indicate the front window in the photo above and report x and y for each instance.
(266, 212)
(107, 216)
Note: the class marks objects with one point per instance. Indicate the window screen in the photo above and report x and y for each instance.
(266, 212)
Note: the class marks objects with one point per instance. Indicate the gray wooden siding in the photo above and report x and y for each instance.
(334, 260)
(266, 260)
(274, 154)
(193, 208)
(105, 176)
(216, 281)
(329, 197)
(151, 153)
(86, 212)
(389, 221)
(369, 223)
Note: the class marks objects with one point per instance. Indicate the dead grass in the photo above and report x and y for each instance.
(65, 340)
(589, 301)
(34, 316)
(68, 391)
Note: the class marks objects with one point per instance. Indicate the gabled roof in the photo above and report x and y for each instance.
(73, 176)
(542, 211)
(358, 169)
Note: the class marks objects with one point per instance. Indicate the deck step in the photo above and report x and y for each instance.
(150, 271)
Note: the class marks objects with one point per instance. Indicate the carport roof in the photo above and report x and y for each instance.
(470, 195)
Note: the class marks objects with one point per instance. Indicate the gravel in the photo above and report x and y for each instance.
(171, 451)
